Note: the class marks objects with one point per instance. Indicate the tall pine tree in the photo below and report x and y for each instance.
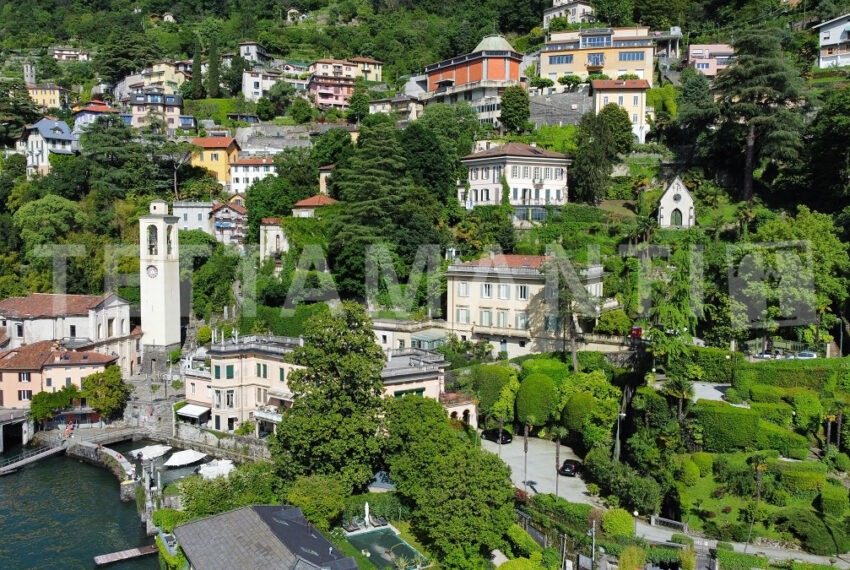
(197, 84)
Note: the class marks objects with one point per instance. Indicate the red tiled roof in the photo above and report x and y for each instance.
(95, 106)
(510, 261)
(214, 142)
(329, 60)
(44, 353)
(233, 206)
(619, 84)
(251, 161)
(66, 357)
(27, 357)
(270, 221)
(365, 60)
(516, 149)
(40, 305)
(327, 167)
(315, 201)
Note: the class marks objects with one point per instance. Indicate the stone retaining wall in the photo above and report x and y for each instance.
(101, 456)
(236, 447)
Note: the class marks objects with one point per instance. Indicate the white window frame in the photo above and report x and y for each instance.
(522, 292)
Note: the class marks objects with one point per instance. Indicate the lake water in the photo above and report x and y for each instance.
(61, 512)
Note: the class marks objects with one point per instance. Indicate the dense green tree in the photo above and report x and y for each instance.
(760, 103)
(265, 109)
(249, 484)
(175, 155)
(431, 160)
(827, 156)
(320, 497)
(661, 14)
(515, 109)
(212, 283)
(232, 76)
(458, 123)
(47, 220)
(301, 111)
(696, 108)
(106, 392)
(213, 70)
(16, 111)
(613, 12)
(681, 389)
(358, 105)
(196, 84)
(591, 170)
(334, 146)
(124, 52)
(68, 177)
(331, 427)
(271, 197)
(488, 381)
(617, 123)
(45, 405)
(281, 95)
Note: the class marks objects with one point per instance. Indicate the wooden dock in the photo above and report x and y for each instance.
(30, 458)
(104, 559)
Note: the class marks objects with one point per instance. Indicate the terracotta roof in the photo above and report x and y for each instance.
(137, 331)
(41, 305)
(510, 261)
(67, 357)
(619, 84)
(214, 142)
(315, 201)
(270, 221)
(516, 149)
(46, 353)
(327, 167)
(329, 60)
(233, 206)
(95, 106)
(365, 60)
(251, 161)
(27, 357)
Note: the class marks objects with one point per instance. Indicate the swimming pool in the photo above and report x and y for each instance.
(386, 549)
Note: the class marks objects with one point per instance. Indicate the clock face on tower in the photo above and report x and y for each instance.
(152, 271)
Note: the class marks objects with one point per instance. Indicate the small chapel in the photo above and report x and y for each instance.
(676, 207)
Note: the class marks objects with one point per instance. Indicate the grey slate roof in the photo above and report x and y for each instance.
(259, 537)
(53, 129)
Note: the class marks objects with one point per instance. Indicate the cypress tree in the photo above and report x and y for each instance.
(197, 90)
(213, 71)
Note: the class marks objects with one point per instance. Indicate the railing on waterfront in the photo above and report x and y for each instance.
(25, 454)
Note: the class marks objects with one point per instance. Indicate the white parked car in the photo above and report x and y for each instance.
(806, 355)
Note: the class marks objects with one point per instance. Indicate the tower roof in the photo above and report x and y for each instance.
(493, 43)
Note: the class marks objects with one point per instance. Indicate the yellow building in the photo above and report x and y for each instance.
(629, 95)
(216, 154)
(48, 96)
(368, 68)
(165, 75)
(609, 51)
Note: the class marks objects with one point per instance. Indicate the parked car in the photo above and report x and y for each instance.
(493, 435)
(764, 355)
(570, 468)
(806, 355)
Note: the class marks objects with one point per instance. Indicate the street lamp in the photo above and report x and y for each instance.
(636, 514)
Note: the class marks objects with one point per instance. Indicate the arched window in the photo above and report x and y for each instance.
(153, 239)
(168, 240)
(676, 217)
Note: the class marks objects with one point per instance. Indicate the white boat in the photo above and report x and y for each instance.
(216, 468)
(150, 452)
(186, 457)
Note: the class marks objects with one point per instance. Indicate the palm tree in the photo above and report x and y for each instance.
(557, 433)
(679, 388)
(759, 464)
(746, 214)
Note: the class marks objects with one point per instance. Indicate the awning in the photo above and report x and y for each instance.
(192, 411)
(186, 457)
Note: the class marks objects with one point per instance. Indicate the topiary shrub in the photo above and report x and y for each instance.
(715, 365)
(488, 381)
(204, 335)
(800, 453)
(726, 428)
(766, 394)
(779, 413)
(618, 522)
(802, 480)
(521, 542)
(320, 497)
(730, 560)
(536, 399)
(614, 323)
(690, 473)
(833, 499)
(555, 369)
(732, 396)
(578, 408)
(771, 436)
(703, 461)
(808, 411)
(842, 462)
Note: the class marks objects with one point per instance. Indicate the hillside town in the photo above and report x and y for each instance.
(472, 284)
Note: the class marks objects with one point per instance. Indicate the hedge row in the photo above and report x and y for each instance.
(766, 394)
(521, 542)
(715, 365)
(725, 427)
(815, 374)
(772, 436)
(802, 480)
(737, 561)
(572, 514)
(833, 500)
(779, 414)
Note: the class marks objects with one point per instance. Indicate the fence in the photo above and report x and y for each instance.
(669, 523)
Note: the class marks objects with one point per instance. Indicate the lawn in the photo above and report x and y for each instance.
(623, 208)
(407, 535)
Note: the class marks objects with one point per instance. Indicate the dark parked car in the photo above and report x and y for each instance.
(493, 435)
(570, 468)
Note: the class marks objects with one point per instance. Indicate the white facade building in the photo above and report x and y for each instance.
(574, 11)
(834, 42)
(46, 137)
(246, 171)
(536, 178)
(193, 215)
(256, 83)
(252, 51)
(676, 207)
(273, 242)
(95, 322)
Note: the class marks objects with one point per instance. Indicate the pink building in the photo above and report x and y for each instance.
(708, 59)
(331, 82)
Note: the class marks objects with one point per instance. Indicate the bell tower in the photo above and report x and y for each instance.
(159, 264)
